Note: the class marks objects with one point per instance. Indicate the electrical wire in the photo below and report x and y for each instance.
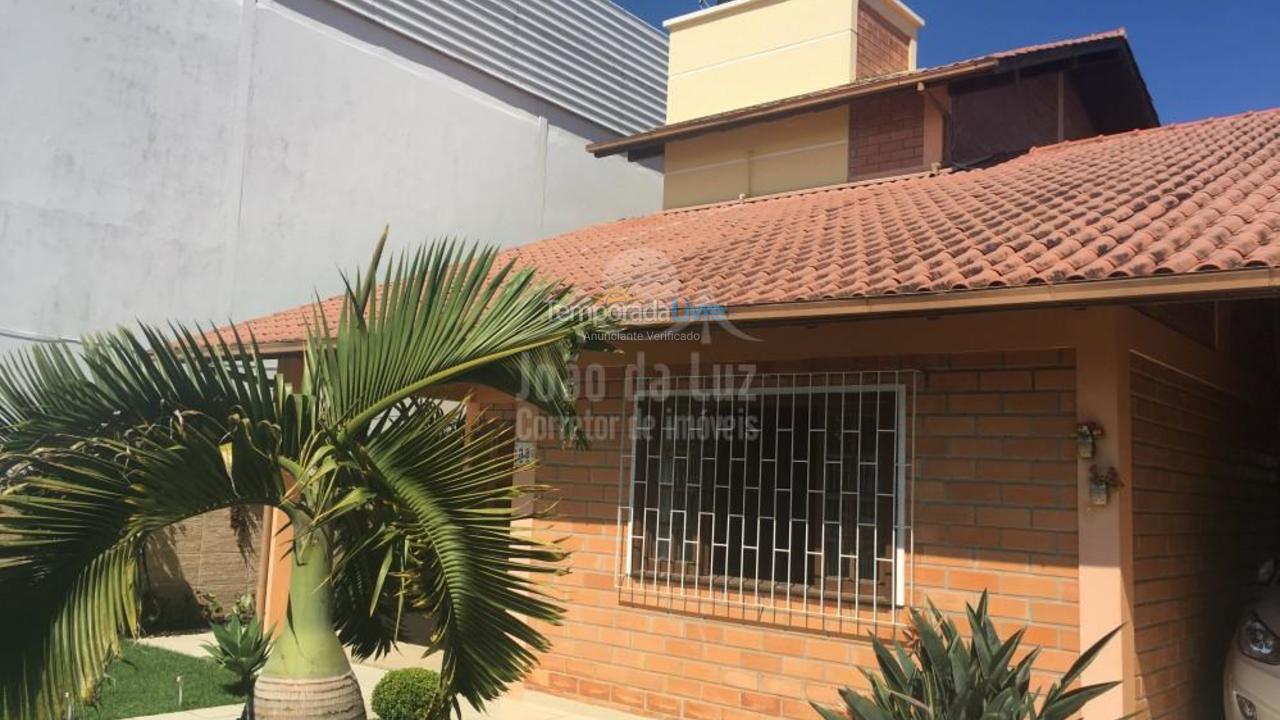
(35, 337)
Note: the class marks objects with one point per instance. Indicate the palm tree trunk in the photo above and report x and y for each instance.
(308, 674)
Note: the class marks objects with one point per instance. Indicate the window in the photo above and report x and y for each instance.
(774, 486)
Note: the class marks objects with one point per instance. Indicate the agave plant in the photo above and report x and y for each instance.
(941, 675)
(239, 647)
(394, 501)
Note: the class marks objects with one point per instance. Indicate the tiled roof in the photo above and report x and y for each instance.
(1180, 199)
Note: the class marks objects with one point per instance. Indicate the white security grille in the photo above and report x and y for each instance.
(784, 493)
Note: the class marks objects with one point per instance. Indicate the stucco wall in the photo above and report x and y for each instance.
(215, 159)
(223, 158)
(732, 56)
(803, 151)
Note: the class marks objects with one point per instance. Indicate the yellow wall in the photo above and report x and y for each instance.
(808, 150)
(752, 51)
(747, 52)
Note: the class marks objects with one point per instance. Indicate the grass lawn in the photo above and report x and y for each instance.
(143, 682)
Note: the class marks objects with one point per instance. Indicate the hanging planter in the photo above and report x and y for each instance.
(1087, 434)
(1101, 483)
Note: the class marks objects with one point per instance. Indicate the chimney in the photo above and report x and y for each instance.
(746, 52)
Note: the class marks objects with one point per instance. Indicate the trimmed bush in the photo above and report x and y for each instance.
(405, 694)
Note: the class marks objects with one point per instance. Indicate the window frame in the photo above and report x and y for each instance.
(901, 464)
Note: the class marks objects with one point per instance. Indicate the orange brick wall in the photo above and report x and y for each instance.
(882, 48)
(1205, 502)
(886, 134)
(995, 508)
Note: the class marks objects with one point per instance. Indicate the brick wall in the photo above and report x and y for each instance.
(886, 134)
(996, 495)
(204, 554)
(994, 509)
(1205, 501)
(882, 48)
(1008, 118)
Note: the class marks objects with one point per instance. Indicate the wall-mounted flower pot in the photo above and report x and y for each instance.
(1087, 434)
(1099, 493)
(1101, 483)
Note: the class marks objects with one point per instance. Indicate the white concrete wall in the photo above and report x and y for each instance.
(206, 159)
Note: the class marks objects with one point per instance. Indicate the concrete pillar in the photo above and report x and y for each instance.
(277, 537)
(1106, 532)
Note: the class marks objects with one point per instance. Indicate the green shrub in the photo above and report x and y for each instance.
(939, 674)
(210, 606)
(406, 694)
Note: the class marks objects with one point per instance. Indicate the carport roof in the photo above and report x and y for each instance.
(1198, 199)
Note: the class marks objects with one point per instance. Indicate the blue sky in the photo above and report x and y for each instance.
(1200, 58)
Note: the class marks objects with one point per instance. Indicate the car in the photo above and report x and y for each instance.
(1251, 681)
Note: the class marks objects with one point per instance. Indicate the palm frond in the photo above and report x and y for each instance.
(74, 522)
(540, 378)
(442, 313)
(469, 571)
(126, 379)
(370, 582)
(139, 430)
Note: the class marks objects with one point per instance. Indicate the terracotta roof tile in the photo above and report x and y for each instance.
(1194, 197)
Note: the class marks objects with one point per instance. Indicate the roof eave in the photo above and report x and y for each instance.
(1250, 282)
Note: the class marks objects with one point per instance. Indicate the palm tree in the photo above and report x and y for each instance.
(396, 500)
